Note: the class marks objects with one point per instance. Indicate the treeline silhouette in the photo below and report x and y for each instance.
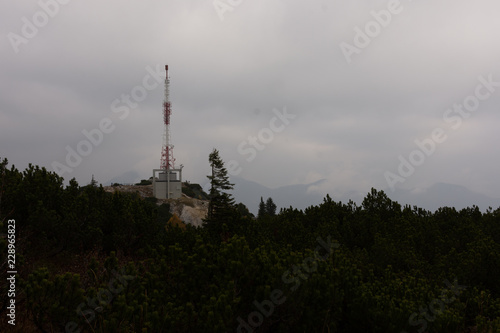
(93, 261)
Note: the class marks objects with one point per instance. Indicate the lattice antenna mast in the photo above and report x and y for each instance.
(167, 152)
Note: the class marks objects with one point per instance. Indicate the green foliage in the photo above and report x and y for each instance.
(243, 211)
(266, 209)
(194, 191)
(152, 200)
(50, 301)
(144, 182)
(390, 273)
(221, 207)
(262, 209)
(270, 207)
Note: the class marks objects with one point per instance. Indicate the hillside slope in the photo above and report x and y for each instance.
(189, 210)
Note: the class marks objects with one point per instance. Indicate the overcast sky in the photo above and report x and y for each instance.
(353, 93)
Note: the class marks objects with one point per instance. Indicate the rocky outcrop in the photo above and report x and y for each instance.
(189, 210)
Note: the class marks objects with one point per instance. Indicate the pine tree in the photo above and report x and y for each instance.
(93, 182)
(270, 207)
(267, 208)
(262, 209)
(221, 205)
(243, 211)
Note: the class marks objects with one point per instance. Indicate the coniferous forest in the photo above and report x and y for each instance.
(92, 261)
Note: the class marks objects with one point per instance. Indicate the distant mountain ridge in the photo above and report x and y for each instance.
(431, 198)
(249, 192)
(444, 194)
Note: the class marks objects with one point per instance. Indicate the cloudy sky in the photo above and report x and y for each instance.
(289, 91)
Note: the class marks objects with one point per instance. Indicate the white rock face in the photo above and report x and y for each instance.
(189, 210)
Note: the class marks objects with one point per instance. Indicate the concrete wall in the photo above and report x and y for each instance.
(160, 185)
(160, 190)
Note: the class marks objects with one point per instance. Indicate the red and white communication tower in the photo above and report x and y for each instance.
(167, 152)
(167, 181)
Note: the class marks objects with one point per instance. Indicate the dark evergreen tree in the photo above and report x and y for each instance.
(262, 209)
(345, 268)
(221, 205)
(270, 207)
(243, 210)
(3, 171)
(93, 182)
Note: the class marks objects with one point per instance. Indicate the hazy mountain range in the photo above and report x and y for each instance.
(297, 196)
(431, 198)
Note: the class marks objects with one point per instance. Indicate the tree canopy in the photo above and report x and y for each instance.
(221, 206)
(111, 262)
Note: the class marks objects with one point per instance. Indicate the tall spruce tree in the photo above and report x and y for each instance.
(221, 206)
(270, 207)
(267, 208)
(262, 209)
